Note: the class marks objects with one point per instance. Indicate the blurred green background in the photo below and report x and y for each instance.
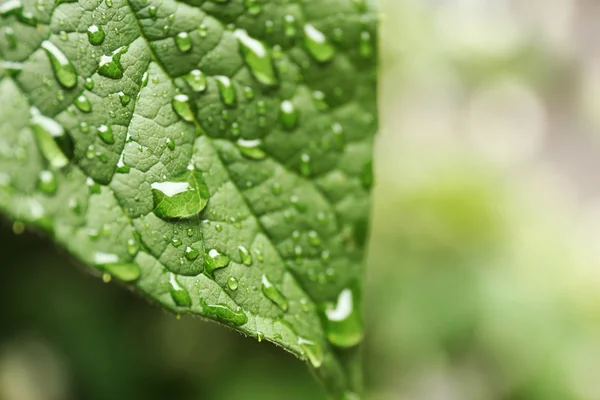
(483, 270)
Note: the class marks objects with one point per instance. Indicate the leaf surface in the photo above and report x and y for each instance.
(214, 155)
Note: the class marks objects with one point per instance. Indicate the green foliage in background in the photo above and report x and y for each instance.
(215, 155)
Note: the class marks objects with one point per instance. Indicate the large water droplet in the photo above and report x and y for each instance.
(251, 148)
(257, 57)
(95, 35)
(312, 350)
(179, 294)
(317, 44)
(110, 263)
(183, 196)
(344, 320)
(215, 260)
(110, 66)
(245, 255)
(224, 313)
(273, 294)
(183, 42)
(183, 108)
(47, 182)
(288, 115)
(226, 90)
(63, 69)
(54, 142)
(197, 80)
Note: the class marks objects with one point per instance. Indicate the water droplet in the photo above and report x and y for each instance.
(253, 7)
(319, 98)
(181, 197)
(191, 253)
(109, 3)
(317, 44)
(218, 227)
(224, 313)
(190, 232)
(170, 144)
(152, 11)
(202, 30)
(288, 115)
(95, 35)
(273, 294)
(226, 90)
(183, 42)
(125, 99)
(132, 247)
(63, 69)
(106, 134)
(251, 148)
(232, 283)
(183, 108)
(54, 142)
(215, 260)
(11, 7)
(245, 255)
(179, 294)
(312, 350)
(197, 80)
(176, 242)
(47, 182)
(63, 36)
(257, 57)
(276, 188)
(314, 238)
(289, 26)
(145, 78)
(110, 66)
(89, 83)
(344, 321)
(305, 167)
(83, 104)
(126, 272)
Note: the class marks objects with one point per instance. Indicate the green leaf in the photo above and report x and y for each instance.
(215, 155)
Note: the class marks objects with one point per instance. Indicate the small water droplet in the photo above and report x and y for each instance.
(245, 255)
(366, 46)
(251, 148)
(289, 26)
(63, 69)
(226, 90)
(47, 182)
(260, 336)
(179, 294)
(132, 247)
(288, 115)
(182, 106)
(95, 35)
(232, 283)
(215, 260)
(314, 238)
(152, 11)
(124, 98)
(89, 83)
(183, 42)
(218, 227)
(257, 58)
(273, 294)
(253, 7)
(109, 3)
(83, 104)
(317, 44)
(176, 242)
(105, 133)
(202, 30)
(305, 167)
(183, 196)
(320, 102)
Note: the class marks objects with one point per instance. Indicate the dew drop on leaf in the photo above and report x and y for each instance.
(288, 115)
(312, 350)
(232, 283)
(253, 7)
(95, 35)
(191, 253)
(226, 90)
(54, 142)
(344, 321)
(181, 105)
(183, 42)
(245, 255)
(64, 71)
(89, 83)
(273, 294)
(215, 260)
(110, 66)
(305, 166)
(365, 46)
(197, 80)
(47, 182)
(179, 294)
(317, 44)
(257, 58)
(105, 133)
(83, 104)
(124, 98)
(183, 196)
(224, 313)
(289, 25)
(251, 148)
